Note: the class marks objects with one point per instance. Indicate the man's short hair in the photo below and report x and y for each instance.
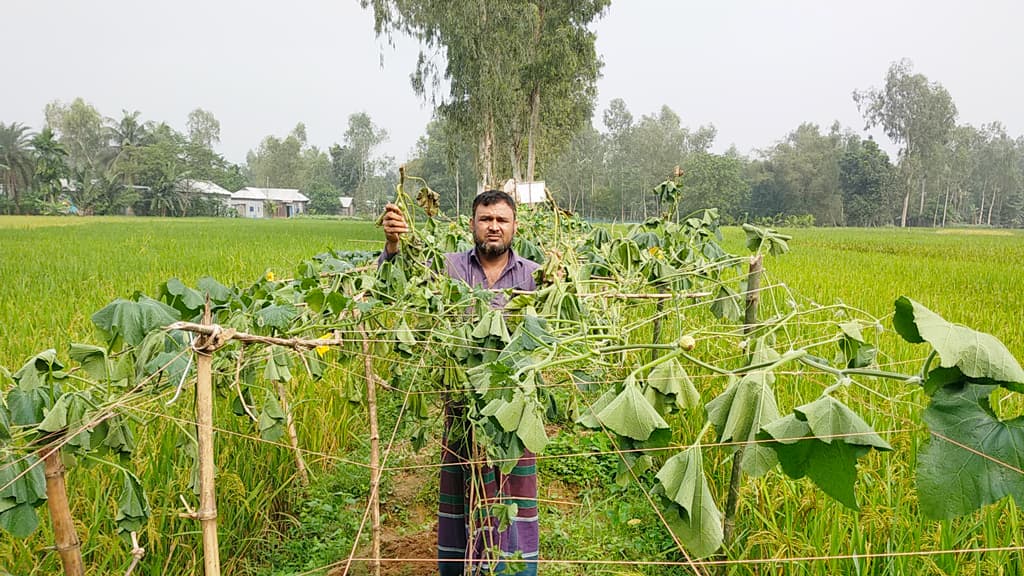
(492, 197)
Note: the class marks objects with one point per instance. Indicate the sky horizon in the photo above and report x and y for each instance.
(754, 70)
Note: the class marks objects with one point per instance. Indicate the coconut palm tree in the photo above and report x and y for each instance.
(50, 164)
(16, 163)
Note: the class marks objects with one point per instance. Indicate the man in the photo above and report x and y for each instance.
(491, 263)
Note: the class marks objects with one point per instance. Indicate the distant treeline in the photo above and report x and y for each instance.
(945, 173)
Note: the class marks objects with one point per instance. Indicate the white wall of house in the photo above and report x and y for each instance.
(248, 208)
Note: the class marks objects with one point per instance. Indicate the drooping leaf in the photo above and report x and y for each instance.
(406, 341)
(671, 379)
(132, 506)
(128, 322)
(588, 416)
(182, 298)
(93, 360)
(531, 429)
(823, 440)
(217, 292)
(975, 354)
(832, 467)
(22, 479)
(742, 409)
(727, 304)
(630, 415)
(510, 413)
(972, 459)
(692, 515)
(38, 370)
(272, 419)
(20, 520)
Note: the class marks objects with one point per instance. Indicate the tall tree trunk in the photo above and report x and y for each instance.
(64, 536)
(458, 192)
(531, 148)
(945, 205)
(924, 183)
(991, 203)
(906, 202)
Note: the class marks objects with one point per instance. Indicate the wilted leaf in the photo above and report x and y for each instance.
(692, 515)
(630, 415)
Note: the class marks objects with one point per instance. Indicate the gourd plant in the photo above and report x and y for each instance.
(613, 340)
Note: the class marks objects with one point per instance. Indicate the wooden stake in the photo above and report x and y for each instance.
(64, 536)
(375, 471)
(753, 298)
(204, 417)
(293, 437)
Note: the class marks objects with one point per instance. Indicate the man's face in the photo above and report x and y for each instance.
(493, 229)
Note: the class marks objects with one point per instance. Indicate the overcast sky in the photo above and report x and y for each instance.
(754, 69)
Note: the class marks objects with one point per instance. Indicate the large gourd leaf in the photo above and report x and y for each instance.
(747, 405)
(692, 515)
(973, 459)
(24, 488)
(630, 415)
(128, 322)
(823, 440)
(974, 354)
(132, 507)
(672, 380)
(531, 429)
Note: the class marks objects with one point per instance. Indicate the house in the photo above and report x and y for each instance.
(253, 202)
(208, 191)
(348, 207)
(525, 192)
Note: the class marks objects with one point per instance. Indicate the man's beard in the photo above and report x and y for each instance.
(492, 249)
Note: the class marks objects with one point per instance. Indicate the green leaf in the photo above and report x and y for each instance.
(181, 297)
(271, 420)
(671, 379)
(588, 418)
(38, 370)
(977, 355)
(132, 506)
(19, 521)
(832, 467)
(692, 516)
(726, 305)
(531, 429)
(217, 292)
(277, 316)
(27, 406)
(823, 440)
(630, 415)
(742, 409)
(973, 459)
(93, 360)
(830, 419)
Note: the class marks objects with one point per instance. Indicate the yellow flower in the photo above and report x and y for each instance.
(270, 276)
(654, 251)
(322, 350)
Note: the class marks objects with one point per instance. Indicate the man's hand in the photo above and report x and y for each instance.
(394, 225)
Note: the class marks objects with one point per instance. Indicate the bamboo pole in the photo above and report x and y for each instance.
(753, 298)
(375, 471)
(293, 437)
(204, 417)
(64, 536)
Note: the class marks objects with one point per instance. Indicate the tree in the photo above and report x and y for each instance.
(714, 180)
(916, 114)
(277, 163)
(865, 174)
(126, 137)
(445, 161)
(500, 57)
(80, 129)
(50, 164)
(16, 164)
(353, 164)
(203, 128)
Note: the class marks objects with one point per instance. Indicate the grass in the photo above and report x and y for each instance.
(58, 271)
